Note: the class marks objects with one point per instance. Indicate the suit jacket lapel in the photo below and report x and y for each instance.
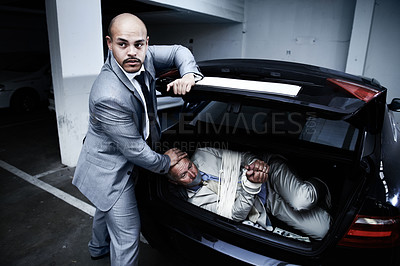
(150, 79)
(122, 77)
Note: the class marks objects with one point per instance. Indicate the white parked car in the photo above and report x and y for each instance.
(25, 80)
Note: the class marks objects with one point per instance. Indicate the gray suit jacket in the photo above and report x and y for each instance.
(114, 143)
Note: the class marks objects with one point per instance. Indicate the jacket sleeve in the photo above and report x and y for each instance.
(246, 192)
(243, 204)
(252, 188)
(118, 123)
(168, 56)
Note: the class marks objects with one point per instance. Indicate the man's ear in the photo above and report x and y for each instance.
(109, 42)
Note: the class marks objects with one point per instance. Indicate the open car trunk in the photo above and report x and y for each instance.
(323, 122)
(313, 146)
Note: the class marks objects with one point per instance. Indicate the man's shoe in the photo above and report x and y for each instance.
(100, 257)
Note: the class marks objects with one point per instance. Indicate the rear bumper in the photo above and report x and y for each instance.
(192, 248)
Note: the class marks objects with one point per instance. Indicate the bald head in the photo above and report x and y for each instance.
(125, 21)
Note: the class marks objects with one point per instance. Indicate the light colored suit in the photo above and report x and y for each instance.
(247, 204)
(114, 146)
(289, 198)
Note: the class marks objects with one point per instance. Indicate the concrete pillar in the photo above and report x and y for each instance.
(360, 36)
(76, 50)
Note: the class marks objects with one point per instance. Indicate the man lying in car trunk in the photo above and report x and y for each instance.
(239, 186)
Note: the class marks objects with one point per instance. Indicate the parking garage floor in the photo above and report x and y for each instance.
(44, 219)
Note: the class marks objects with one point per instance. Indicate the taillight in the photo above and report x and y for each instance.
(360, 91)
(373, 232)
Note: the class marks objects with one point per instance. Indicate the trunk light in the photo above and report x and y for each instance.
(251, 85)
(362, 92)
(373, 232)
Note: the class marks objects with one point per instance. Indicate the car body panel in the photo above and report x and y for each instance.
(390, 169)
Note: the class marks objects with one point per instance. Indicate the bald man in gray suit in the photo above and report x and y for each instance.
(123, 123)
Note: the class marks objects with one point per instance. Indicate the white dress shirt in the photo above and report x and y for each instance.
(137, 86)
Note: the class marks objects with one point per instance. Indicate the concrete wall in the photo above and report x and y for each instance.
(223, 40)
(383, 55)
(313, 31)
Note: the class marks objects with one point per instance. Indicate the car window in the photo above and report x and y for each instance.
(231, 118)
(335, 133)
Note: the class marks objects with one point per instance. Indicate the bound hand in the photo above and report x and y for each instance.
(257, 172)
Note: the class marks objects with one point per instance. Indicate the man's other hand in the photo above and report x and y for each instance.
(183, 85)
(175, 155)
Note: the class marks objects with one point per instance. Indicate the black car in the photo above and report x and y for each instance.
(326, 123)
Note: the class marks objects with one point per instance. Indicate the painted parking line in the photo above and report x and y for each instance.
(50, 172)
(77, 203)
(81, 205)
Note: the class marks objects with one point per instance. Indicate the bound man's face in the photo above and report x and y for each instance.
(184, 172)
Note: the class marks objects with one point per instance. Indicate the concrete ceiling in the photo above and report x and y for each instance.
(150, 14)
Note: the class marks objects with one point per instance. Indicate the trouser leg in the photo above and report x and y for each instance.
(299, 194)
(100, 242)
(315, 222)
(123, 223)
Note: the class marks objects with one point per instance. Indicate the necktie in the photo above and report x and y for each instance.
(154, 135)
